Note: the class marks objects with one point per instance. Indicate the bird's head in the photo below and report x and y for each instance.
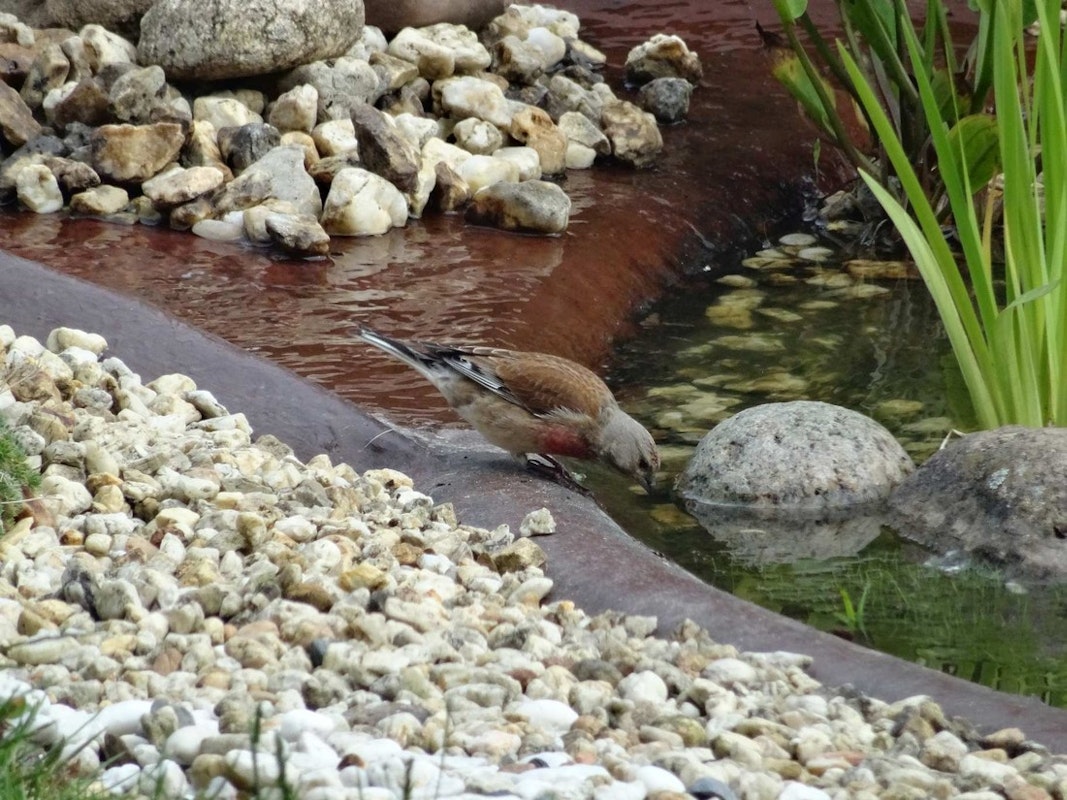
(626, 445)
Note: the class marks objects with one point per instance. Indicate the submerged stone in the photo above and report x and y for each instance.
(801, 454)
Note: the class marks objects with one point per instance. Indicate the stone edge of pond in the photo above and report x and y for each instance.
(592, 560)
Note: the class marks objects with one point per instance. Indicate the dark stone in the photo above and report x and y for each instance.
(244, 145)
(383, 151)
(1000, 495)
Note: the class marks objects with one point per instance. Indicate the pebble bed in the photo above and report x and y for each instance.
(192, 612)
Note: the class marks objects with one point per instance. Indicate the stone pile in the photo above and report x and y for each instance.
(188, 609)
(439, 117)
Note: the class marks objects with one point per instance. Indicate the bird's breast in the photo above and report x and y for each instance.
(560, 441)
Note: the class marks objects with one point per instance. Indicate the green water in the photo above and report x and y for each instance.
(811, 332)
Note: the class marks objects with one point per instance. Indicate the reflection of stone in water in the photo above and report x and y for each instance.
(785, 536)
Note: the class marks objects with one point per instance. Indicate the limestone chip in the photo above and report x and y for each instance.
(440, 50)
(532, 206)
(633, 133)
(99, 201)
(38, 189)
(663, 56)
(361, 203)
(125, 153)
(17, 124)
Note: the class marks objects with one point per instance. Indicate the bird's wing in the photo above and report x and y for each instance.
(543, 384)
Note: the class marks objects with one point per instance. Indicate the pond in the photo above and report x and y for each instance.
(779, 328)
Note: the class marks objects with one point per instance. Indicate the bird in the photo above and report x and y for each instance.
(532, 405)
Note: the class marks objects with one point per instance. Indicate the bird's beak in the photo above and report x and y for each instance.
(647, 481)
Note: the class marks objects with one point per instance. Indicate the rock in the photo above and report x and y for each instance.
(1000, 495)
(534, 128)
(15, 62)
(201, 148)
(134, 153)
(468, 96)
(73, 176)
(481, 171)
(103, 48)
(579, 129)
(361, 203)
(383, 150)
(38, 189)
(633, 133)
(48, 71)
(519, 555)
(342, 84)
(84, 102)
(296, 109)
(393, 73)
(17, 124)
(120, 16)
(662, 56)
(518, 20)
(298, 235)
(566, 95)
(223, 112)
(136, 95)
(532, 207)
(478, 136)
(335, 137)
(526, 160)
(441, 50)
(798, 455)
(243, 146)
(279, 174)
(216, 39)
(450, 191)
(60, 339)
(100, 201)
(177, 186)
(667, 99)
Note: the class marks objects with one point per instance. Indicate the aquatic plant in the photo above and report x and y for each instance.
(873, 34)
(1007, 322)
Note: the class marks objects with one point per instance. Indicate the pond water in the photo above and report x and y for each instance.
(794, 329)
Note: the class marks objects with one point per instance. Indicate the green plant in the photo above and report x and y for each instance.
(1007, 324)
(853, 615)
(874, 35)
(29, 771)
(16, 476)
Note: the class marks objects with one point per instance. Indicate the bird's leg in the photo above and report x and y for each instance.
(548, 467)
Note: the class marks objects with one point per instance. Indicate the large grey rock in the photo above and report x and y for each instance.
(215, 39)
(788, 481)
(121, 16)
(798, 455)
(1001, 495)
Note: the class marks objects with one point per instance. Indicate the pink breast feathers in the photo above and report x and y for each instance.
(559, 441)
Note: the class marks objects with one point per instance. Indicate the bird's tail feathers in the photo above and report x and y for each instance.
(425, 363)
